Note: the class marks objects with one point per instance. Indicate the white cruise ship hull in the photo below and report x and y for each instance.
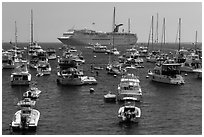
(89, 37)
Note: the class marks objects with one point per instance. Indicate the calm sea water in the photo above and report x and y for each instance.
(65, 110)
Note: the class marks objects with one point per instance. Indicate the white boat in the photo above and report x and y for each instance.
(32, 93)
(25, 119)
(88, 80)
(129, 112)
(71, 76)
(114, 51)
(198, 72)
(26, 102)
(20, 76)
(43, 68)
(115, 68)
(51, 54)
(98, 48)
(129, 87)
(110, 97)
(143, 51)
(167, 73)
(191, 63)
(7, 61)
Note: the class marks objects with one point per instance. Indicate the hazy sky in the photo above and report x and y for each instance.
(51, 19)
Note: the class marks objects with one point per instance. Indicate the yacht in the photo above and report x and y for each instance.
(20, 75)
(98, 48)
(51, 54)
(7, 61)
(32, 93)
(129, 87)
(25, 119)
(191, 63)
(167, 73)
(70, 76)
(43, 68)
(129, 112)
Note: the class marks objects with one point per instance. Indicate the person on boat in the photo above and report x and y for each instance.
(29, 94)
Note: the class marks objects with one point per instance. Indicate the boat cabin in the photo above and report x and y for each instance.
(168, 69)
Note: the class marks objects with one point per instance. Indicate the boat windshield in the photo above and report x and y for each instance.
(170, 70)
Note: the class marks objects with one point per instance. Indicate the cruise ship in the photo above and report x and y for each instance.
(91, 37)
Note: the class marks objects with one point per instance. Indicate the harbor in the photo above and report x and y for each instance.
(74, 110)
(91, 82)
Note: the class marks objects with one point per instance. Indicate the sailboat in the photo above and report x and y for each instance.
(114, 50)
(181, 52)
(114, 67)
(152, 56)
(33, 48)
(20, 75)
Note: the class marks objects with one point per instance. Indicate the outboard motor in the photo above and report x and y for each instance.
(24, 122)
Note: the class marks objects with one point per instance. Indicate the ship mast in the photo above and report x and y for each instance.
(163, 33)
(113, 25)
(31, 40)
(151, 28)
(179, 33)
(15, 35)
(157, 26)
(129, 30)
(152, 31)
(196, 40)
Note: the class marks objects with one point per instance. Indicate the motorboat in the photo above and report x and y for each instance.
(98, 68)
(25, 119)
(7, 61)
(26, 102)
(20, 76)
(70, 76)
(88, 80)
(51, 54)
(198, 72)
(115, 68)
(110, 97)
(98, 48)
(129, 112)
(191, 63)
(114, 51)
(43, 68)
(32, 93)
(167, 73)
(129, 87)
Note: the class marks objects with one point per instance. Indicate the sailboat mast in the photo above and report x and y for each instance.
(113, 25)
(152, 31)
(31, 40)
(163, 33)
(196, 40)
(129, 25)
(179, 33)
(15, 35)
(157, 28)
